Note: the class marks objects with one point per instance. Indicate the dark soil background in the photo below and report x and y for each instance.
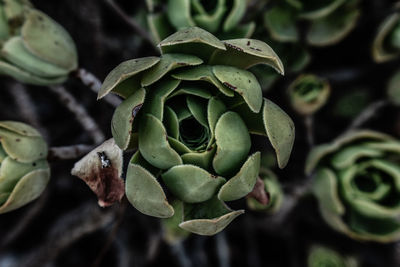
(65, 227)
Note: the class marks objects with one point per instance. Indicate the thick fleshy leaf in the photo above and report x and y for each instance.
(243, 82)
(243, 182)
(26, 77)
(195, 91)
(145, 193)
(124, 116)
(321, 151)
(12, 171)
(245, 53)
(208, 218)
(333, 28)
(192, 41)
(153, 144)
(202, 73)
(215, 109)
(116, 81)
(23, 148)
(171, 122)
(280, 131)
(168, 63)
(192, 184)
(325, 188)
(157, 95)
(348, 156)
(198, 108)
(101, 170)
(235, 15)
(280, 21)
(201, 159)
(46, 39)
(15, 52)
(178, 12)
(233, 143)
(20, 128)
(27, 189)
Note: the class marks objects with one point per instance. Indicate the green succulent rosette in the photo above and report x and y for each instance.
(189, 114)
(273, 191)
(221, 18)
(386, 45)
(308, 93)
(329, 21)
(321, 256)
(24, 171)
(357, 184)
(35, 49)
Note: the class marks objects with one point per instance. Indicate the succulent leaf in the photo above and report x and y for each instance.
(24, 171)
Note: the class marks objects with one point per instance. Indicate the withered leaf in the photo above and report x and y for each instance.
(101, 170)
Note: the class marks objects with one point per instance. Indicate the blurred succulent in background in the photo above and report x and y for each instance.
(393, 89)
(24, 171)
(352, 102)
(329, 21)
(386, 45)
(34, 48)
(223, 18)
(357, 185)
(190, 114)
(308, 93)
(320, 256)
(269, 186)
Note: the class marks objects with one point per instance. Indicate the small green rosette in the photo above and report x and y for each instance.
(189, 114)
(308, 93)
(357, 184)
(272, 190)
(24, 171)
(34, 49)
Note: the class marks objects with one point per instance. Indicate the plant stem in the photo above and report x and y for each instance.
(68, 152)
(367, 114)
(81, 115)
(91, 81)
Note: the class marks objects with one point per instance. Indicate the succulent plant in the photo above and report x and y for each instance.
(34, 48)
(273, 191)
(190, 114)
(308, 93)
(329, 21)
(386, 45)
(393, 89)
(320, 256)
(222, 18)
(24, 171)
(357, 185)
